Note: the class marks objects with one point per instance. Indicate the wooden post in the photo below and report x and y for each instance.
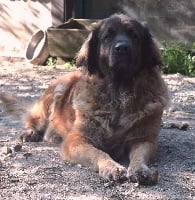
(68, 7)
(61, 11)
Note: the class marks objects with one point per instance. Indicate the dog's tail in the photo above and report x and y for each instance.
(13, 105)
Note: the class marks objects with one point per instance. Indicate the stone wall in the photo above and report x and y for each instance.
(170, 20)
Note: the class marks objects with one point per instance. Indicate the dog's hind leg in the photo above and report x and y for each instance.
(31, 135)
(20, 111)
(35, 122)
(51, 136)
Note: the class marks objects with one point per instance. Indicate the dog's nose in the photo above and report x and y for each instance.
(122, 47)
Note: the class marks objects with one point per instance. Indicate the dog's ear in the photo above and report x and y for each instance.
(88, 54)
(150, 53)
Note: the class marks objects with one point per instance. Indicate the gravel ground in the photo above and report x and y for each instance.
(36, 171)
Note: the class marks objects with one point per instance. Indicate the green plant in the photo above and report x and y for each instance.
(69, 64)
(193, 45)
(51, 61)
(176, 59)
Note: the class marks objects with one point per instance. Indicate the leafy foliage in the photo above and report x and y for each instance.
(51, 61)
(69, 65)
(177, 59)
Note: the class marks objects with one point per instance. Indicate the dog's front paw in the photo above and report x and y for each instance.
(143, 175)
(30, 135)
(113, 171)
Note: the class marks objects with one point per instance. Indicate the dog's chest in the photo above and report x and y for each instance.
(102, 113)
(105, 122)
(107, 111)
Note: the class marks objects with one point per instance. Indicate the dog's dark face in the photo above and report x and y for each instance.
(119, 47)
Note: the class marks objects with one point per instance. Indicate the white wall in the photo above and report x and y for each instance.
(19, 19)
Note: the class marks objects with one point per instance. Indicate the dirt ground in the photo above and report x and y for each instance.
(36, 171)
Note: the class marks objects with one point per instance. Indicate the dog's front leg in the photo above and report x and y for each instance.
(76, 149)
(140, 155)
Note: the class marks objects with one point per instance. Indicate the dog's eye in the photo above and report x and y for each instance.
(107, 38)
(111, 32)
(109, 35)
(133, 34)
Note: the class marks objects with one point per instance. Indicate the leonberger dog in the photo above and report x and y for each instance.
(108, 109)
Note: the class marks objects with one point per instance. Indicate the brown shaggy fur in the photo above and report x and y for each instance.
(111, 107)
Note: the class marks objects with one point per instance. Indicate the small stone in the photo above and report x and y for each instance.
(32, 183)
(168, 149)
(6, 150)
(27, 155)
(184, 127)
(136, 184)
(14, 179)
(172, 109)
(174, 125)
(79, 165)
(108, 184)
(17, 147)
